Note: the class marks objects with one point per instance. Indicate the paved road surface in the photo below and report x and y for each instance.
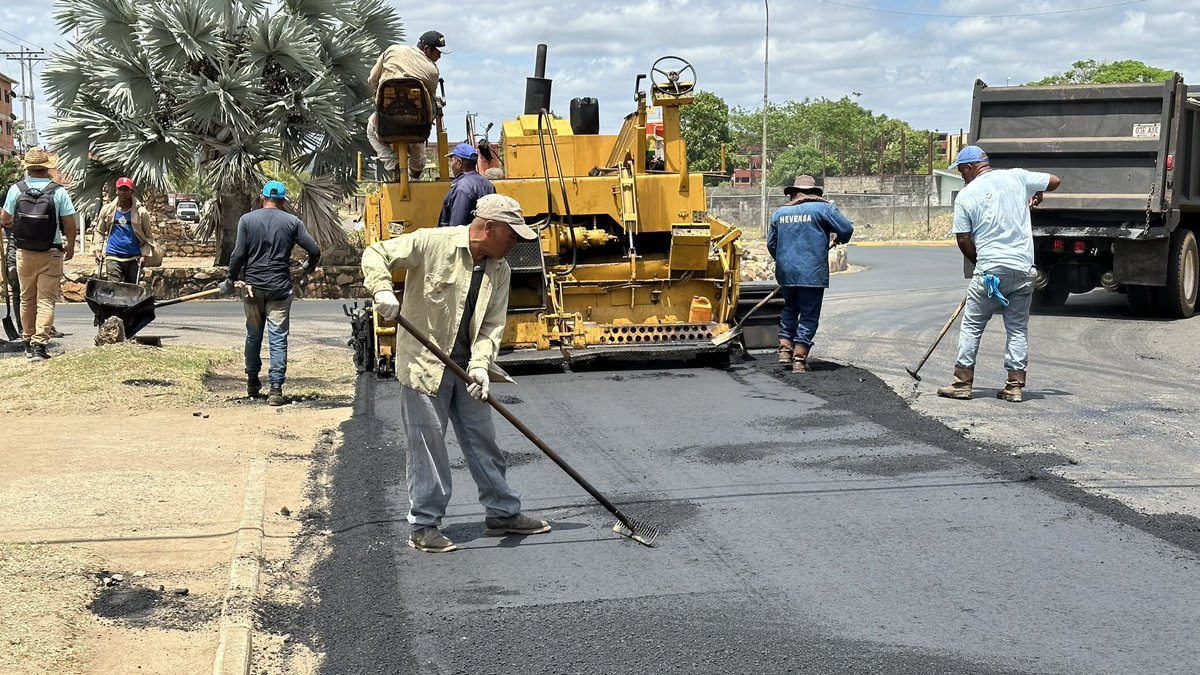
(813, 524)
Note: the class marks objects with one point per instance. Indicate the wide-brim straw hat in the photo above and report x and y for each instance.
(38, 158)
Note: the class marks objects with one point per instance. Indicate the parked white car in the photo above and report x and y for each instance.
(189, 211)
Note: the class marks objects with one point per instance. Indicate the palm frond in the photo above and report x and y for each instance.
(318, 13)
(128, 82)
(317, 206)
(285, 40)
(177, 32)
(237, 161)
(149, 154)
(349, 58)
(111, 22)
(378, 20)
(225, 103)
(65, 74)
(74, 132)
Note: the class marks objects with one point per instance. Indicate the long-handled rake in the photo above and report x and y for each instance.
(942, 334)
(637, 530)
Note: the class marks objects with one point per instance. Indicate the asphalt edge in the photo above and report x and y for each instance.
(237, 607)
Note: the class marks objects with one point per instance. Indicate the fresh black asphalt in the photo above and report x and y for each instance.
(812, 525)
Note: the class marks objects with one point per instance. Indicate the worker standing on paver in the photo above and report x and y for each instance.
(456, 293)
(799, 238)
(404, 61)
(466, 187)
(991, 223)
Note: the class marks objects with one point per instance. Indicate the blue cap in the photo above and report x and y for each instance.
(274, 190)
(464, 151)
(970, 154)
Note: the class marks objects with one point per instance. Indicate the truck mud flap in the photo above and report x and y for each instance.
(1142, 263)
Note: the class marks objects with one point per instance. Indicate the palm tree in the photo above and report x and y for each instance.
(154, 88)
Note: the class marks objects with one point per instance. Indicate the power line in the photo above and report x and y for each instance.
(21, 41)
(981, 16)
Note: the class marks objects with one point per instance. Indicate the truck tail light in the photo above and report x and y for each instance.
(1080, 247)
(1059, 246)
(1170, 162)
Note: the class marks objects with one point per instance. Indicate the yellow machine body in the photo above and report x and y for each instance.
(625, 254)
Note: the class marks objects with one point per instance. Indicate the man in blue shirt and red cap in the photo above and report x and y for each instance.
(466, 187)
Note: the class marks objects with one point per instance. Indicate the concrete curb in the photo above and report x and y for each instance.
(939, 242)
(237, 609)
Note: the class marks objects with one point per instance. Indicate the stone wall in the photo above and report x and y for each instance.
(177, 239)
(166, 283)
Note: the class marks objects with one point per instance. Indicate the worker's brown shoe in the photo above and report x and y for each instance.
(1012, 387)
(961, 386)
(518, 524)
(430, 540)
(785, 351)
(800, 359)
(275, 397)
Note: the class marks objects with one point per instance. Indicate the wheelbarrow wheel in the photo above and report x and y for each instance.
(362, 341)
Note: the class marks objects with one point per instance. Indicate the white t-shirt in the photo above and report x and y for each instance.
(994, 210)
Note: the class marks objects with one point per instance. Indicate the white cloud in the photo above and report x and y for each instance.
(917, 68)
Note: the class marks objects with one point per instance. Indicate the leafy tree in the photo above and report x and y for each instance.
(153, 88)
(829, 137)
(705, 127)
(1106, 72)
(10, 172)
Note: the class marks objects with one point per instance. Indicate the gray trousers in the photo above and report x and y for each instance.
(425, 419)
(1017, 288)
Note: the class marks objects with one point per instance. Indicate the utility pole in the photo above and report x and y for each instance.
(762, 154)
(26, 58)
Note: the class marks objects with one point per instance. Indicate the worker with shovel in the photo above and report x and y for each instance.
(992, 225)
(42, 219)
(799, 239)
(456, 293)
(261, 266)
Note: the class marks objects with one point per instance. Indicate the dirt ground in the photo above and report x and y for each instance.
(125, 471)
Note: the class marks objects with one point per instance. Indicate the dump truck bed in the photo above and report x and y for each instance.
(1122, 150)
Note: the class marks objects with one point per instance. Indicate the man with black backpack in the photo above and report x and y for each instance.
(41, 217)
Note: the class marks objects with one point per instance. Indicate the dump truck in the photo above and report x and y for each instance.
(628, 259)
(1127, 215)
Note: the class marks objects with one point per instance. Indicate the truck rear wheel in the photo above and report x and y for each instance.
(1178, 299)
(1143, 300)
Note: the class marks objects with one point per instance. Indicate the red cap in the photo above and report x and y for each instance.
(125, 181)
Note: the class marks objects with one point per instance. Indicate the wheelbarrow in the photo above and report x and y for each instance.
(131, 303)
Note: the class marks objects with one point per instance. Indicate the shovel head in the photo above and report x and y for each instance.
(10, 329)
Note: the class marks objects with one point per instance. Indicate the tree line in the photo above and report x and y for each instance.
(825, 137)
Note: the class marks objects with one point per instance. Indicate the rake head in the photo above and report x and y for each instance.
(912, 372)
(642, 532)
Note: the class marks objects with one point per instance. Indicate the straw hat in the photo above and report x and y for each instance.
(37, 158)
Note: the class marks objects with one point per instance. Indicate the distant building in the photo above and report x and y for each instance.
(7, 146)
(745, 178)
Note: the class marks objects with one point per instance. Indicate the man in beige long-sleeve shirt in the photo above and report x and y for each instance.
(455, 292)
(399, 61)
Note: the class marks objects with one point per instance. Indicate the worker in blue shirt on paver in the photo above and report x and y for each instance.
(799, 239)
(466, 187)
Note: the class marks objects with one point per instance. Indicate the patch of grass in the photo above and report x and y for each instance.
(97, 376)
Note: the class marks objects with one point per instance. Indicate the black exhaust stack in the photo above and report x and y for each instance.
(537, 88)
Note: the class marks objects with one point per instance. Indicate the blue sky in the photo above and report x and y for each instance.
(915, 61)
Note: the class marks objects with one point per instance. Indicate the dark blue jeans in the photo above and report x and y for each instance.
(272, 311)
(801, 314)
